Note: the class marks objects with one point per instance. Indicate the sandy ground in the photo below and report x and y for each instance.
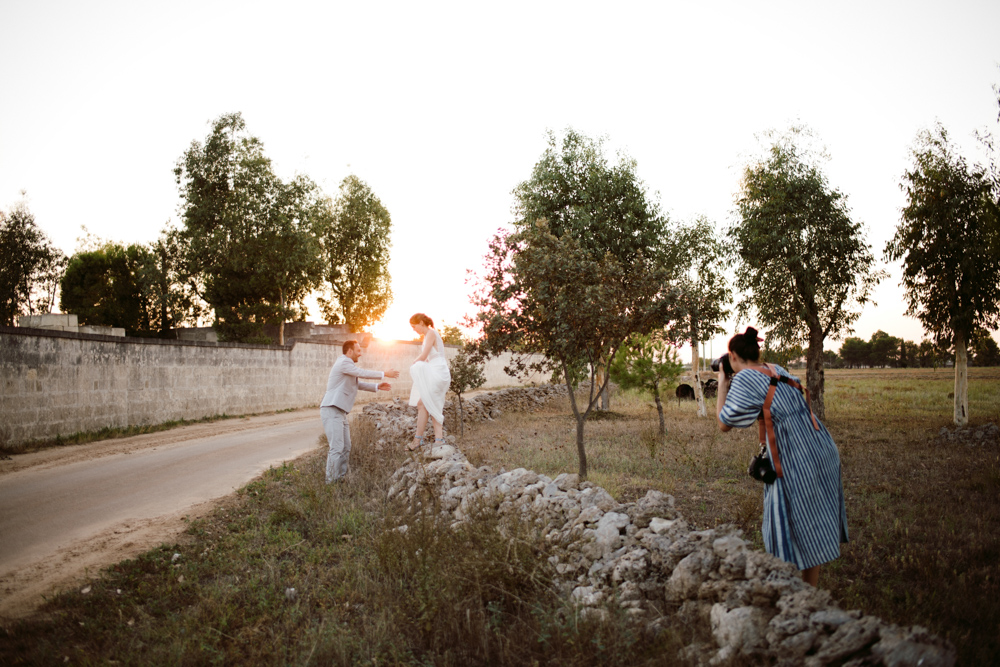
(68, 512)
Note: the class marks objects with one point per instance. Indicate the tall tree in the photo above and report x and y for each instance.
(949, 242)
(249, 237)
(883, 349)
(356, 243)
(702, 289)
(30, 266)
(804, 263)
(547, 295)
(587, 266)
(602, 204)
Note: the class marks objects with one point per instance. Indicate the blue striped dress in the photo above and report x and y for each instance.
(805, 519)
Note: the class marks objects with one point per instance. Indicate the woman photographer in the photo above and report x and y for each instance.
(805, 520)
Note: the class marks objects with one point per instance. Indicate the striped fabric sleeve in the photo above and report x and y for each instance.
(747, 391)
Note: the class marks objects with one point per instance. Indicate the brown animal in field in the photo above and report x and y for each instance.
(684, 391)
(711, 388)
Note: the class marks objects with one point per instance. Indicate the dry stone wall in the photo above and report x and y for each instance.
(644, 558)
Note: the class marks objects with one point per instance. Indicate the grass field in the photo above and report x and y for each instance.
(924, 520)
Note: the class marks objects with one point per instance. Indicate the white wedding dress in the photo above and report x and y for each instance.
(431, 379)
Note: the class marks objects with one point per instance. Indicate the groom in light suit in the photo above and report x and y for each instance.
(341, 390)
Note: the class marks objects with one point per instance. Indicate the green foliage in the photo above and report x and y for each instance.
(985, 351)
(856, 352)
(31, 266)
(883, 350)
(104, 287)
(702, 287)
(356, 241)
(803, 263)
(586, 267)
(171, 289)
(948, 240)
(140, 288)
(582, 195)
(452, 335)
(649, 364)
(781, 354)
(549, 296)
(466, 375)
(249, 238)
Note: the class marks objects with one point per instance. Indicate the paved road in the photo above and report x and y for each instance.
(44, 508)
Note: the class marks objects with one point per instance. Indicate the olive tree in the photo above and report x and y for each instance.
(602, 204)
(356, 240)
(548, 296)
(703, 291)
(948, 240)
(466, 375)
(803, 263)
(647, 363)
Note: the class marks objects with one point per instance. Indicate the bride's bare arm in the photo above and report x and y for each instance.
(428, 344)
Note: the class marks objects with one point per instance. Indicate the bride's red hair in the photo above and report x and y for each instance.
(420, 318)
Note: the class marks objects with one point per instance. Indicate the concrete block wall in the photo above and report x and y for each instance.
(58, 383)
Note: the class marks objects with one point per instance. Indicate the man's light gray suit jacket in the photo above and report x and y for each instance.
(345, 380)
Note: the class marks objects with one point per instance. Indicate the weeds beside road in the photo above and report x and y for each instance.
(924, 522)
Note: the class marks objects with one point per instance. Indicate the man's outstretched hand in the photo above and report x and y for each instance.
(385, 386)
(391, 374)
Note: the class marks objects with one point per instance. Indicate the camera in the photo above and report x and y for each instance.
(760, 468)
(723, 361)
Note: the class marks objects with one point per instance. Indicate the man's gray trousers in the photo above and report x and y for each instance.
(338, 434)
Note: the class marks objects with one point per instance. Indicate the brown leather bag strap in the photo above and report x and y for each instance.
(768, 424)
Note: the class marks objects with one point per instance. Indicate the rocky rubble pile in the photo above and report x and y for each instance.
(987, 435)
(643, 558)
(397, 421)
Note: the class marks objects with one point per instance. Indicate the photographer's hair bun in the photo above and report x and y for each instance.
(746, 345)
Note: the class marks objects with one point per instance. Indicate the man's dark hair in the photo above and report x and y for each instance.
(348, 344)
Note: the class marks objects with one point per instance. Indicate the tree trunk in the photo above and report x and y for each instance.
(699, 393)
(580, 420)
(281, 327)
(815, 377)
(599, 378)
(961, 380)
(659, 411)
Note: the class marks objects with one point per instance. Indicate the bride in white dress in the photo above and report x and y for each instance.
(431, 379)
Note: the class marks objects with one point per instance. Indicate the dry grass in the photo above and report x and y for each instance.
(363, 592)
(924, 520)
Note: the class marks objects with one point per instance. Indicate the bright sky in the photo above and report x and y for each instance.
(442, 108)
